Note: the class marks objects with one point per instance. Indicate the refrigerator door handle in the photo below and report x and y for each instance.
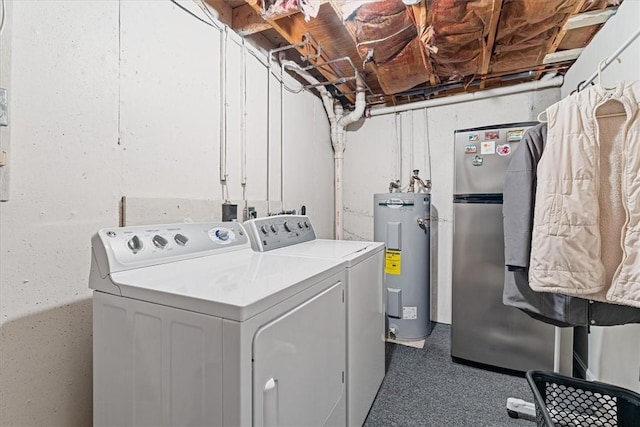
(483, 198)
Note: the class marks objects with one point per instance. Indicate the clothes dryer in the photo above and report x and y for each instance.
(294, 235)
(191, 328)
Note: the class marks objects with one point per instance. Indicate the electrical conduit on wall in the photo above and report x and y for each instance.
(339, 123)
(223, 111)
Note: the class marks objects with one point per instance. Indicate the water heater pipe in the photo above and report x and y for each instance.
(338, 122)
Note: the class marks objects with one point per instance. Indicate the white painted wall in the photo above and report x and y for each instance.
(389, 147)
(614, 352)
(65, 179)
(109, 99)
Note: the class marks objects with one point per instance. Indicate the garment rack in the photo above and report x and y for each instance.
(518, 408)
(604, 64)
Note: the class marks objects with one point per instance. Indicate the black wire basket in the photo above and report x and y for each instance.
(571, 402)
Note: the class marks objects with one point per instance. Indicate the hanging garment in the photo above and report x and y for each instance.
(586, 231)
(519, 196)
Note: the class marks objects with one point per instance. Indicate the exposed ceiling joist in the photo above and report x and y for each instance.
(563, 32)
(562, 56)
(247, 21)
(294, 27)
(221, 9)
(459, 46)
(587, 19)
(490, 40)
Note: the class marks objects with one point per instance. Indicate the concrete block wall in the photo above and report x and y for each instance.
(112, 99)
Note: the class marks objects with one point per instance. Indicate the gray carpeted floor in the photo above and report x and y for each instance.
(423, 387)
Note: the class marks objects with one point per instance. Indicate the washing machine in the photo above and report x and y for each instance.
(191, 327)
(294, 235)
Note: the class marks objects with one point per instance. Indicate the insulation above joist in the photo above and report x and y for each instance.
(453, 40)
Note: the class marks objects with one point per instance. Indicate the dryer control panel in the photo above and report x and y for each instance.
(278, 231)
(122, 248)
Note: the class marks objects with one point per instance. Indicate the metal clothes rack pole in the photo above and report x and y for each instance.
(603, 65)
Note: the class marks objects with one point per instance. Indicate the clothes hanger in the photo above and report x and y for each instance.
(604, 116)
(605, 62)
(600, 64)
(542, 116)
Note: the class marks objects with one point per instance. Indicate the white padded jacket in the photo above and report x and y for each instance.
(586, 231)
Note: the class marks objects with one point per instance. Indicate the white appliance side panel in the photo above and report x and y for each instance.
(299, 365)
(365, 336)
(112, 363)
(155, 365)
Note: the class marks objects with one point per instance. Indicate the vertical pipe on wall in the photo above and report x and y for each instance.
(339, 123)
(398, 129)
(282, 139)
(411, 142)
(223, 110)
(338, 143)
(268, 180)
(5, 131)
(243, 124)
(428, 150)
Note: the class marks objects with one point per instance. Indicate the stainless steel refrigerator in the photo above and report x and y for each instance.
(483, 330)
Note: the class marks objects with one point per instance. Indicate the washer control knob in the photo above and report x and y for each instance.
(287, 226)
(264, 229)
(306, 224)
(300, 225)
(274, 228)
(181, 239)
(159, 241)
(135, 244)
(222, 234)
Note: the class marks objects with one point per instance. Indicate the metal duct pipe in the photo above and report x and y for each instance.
(455, 99)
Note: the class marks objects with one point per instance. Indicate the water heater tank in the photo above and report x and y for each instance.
(402, 222)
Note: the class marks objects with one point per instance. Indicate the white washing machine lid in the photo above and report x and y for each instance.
(350, 251)
(235, 285)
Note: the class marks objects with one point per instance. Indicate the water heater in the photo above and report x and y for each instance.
(402, 222)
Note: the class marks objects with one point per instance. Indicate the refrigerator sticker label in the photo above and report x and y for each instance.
(393, 259)
(515, 135)
(504, 150)
(494, 134)
(470, 149)
(409, 313)
(474, 137)
(477, 161)
(488, 147)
